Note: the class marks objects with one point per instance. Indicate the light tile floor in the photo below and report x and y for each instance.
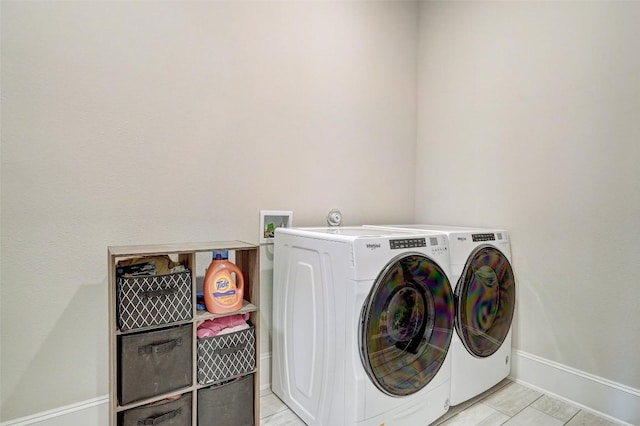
(508, 403)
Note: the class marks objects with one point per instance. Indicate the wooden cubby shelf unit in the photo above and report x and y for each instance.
(247, 259)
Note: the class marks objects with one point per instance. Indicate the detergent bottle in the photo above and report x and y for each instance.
(222, 291)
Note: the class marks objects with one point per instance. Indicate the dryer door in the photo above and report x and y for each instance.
(486, 294)
(406, 325)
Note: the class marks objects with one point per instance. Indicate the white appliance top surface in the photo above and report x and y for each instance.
(440, 228)
(353, 232)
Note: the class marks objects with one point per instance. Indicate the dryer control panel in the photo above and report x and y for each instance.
(483, 237)
(405, 243)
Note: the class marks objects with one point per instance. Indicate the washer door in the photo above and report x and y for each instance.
(486, 294)
(406, 325)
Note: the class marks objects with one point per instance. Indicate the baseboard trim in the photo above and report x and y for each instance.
(265, 373)
(92, 405)
(592, 393)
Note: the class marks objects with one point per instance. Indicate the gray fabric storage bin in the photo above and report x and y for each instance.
(165, 413)
(154, 362)
(229, 404)
(153, 300)
(225, 356)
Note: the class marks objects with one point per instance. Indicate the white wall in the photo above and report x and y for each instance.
(138, 122)
(143, 122)
(529, 120)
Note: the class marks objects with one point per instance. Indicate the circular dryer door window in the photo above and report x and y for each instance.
(486, 295)
(406, 325)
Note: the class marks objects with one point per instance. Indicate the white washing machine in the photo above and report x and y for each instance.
(362, 323)
(485, 294)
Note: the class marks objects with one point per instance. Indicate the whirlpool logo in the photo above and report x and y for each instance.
(373, 246)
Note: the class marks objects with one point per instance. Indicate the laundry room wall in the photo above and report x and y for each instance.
(528, 120)
(160, 122)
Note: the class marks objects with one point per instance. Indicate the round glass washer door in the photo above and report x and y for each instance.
(406, 325)
(486, 294)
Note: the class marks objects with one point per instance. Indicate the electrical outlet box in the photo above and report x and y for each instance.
(272, 219)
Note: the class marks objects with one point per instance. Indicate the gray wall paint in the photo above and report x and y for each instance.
(529, 120)
(153, 122)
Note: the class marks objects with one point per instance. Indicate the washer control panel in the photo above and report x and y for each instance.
(405, 243)
(483, 237)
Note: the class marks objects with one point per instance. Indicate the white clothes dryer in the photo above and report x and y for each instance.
(362, 323)
(485, 296)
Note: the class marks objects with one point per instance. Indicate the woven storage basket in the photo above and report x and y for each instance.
(154, 300)
(226, 356)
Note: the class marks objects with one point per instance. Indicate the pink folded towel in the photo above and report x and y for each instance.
(213, 327)
(230, 330)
